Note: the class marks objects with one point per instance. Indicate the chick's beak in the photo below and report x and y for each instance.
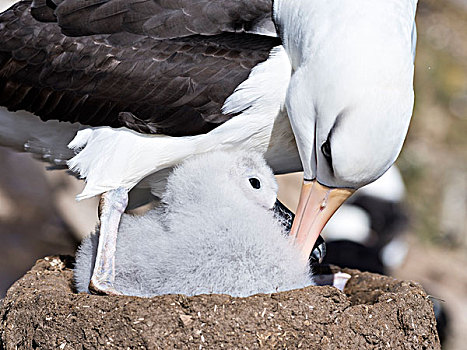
(316, 206)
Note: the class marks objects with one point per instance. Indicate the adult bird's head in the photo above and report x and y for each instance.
(350, 97)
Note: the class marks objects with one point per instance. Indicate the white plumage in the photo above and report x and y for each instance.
(351, 84)
(215, 233)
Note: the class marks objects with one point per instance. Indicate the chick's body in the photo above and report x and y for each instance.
(214, 233)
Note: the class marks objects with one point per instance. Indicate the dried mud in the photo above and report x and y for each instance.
(42, 311)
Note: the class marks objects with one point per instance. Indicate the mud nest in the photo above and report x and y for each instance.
(42, 311)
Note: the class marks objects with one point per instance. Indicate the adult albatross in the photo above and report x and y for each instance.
(191, 76)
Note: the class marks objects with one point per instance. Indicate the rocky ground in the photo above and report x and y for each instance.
(42, 311)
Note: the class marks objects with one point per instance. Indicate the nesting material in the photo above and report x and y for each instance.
(215, 233)
(42, 311)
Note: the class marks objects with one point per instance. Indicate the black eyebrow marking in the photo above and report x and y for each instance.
(337, 122)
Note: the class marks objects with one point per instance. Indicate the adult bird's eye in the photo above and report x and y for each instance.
(255, 183)
(326, 149)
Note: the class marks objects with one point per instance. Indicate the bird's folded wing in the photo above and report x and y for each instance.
(176, 87)
(163, 19)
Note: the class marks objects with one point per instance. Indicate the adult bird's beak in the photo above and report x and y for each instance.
(286, 218)
(316, 206)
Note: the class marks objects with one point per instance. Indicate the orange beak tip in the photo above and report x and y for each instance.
(316, 206)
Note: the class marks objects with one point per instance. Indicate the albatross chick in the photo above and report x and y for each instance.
(215, 232)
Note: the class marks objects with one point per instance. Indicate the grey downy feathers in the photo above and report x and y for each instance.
(214, 233)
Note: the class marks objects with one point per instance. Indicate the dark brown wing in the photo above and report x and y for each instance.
(162, 19)
(175, 87)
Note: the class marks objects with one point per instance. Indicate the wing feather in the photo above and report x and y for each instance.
(171, 86)
(160, 19)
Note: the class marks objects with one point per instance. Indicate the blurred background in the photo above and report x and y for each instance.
(412, 224)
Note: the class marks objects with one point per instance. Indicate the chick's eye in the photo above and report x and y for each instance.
(255, 183)
(326, 149)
